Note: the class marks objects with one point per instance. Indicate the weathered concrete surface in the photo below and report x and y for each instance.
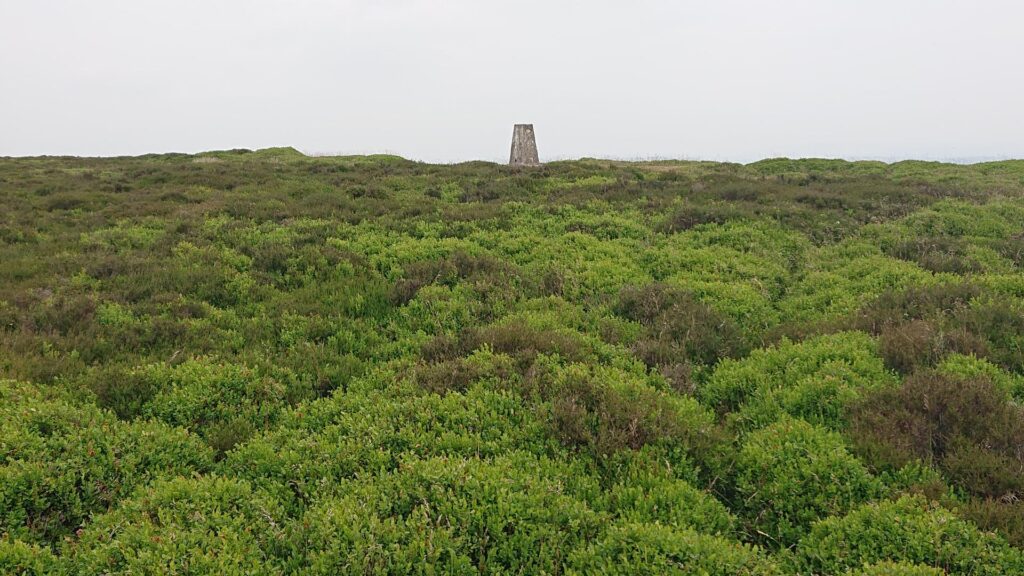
(524, 146)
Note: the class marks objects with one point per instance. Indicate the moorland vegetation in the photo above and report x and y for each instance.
(265, 363)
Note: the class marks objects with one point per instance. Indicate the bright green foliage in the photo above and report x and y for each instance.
(653, 494)
(897, 569)
(967, 367)
(18, 558)
(906, 530)
(654, 549)
(791, 474)
(324, 443)
(814, 380)
(224, 403)
(60, 463)
(204, 526)
(514, 513)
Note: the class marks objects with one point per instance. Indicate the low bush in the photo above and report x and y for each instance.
(895, 307)
(18, 558)
(908, 530)
(487, 274)
(653, 549)
(643, 496)
(815, 380)
(919, 326)
(321, 445)
(967, 427)
(936, 254)
(602, 411)
(791, 474)
(223, 403)
(1005, 516)
(184, 526)
(921, 343)
(513, 513)
(897, 569)
(678, 329)
(60, 462)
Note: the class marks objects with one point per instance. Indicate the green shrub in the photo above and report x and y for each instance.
(61, 462)
(650, 549)
(18, 558)
(123, 390)
(897, 569)
(814, 380)
(490, 276)
(512, 514)
(907, 530)
(224, 403)
(963, 367)
(184, 526)
(791, 474)
(650, 499)
(320, 445)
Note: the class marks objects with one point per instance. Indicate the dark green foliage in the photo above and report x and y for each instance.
(591, 409)
(258, 362)
(967, 427)
(491, 277)
(1003, 516)
(679, 331)
(937, 254)
(919, 326)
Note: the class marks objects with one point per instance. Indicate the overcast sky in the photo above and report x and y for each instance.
(446, 80)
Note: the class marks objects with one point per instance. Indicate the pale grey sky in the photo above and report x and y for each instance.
(446, 80)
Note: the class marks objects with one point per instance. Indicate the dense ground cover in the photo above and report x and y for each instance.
(264, 363)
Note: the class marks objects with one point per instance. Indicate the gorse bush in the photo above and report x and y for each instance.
(246, 362)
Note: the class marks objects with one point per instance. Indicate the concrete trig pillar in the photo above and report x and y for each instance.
(524, 146)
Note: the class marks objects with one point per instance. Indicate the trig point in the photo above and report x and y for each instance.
(524, 146)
